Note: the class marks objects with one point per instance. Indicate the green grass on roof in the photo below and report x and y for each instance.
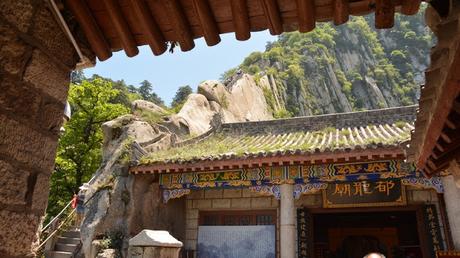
(239, 145)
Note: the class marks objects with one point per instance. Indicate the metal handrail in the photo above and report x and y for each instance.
(55, 218)
(63, 210)
(61, 225)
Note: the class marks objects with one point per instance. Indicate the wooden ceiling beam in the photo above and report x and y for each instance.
(150, 27)
(446, 138)
(306, 15)
(446, 158)
(450, 124)
(439, 147)
(273, 16)
(207, 21)
(121, 27)
(456, 107)
(341, 11)
(93, 33)
(241, 19)
(431, 164)
(180, 24)
(410, 7)
(384, 14)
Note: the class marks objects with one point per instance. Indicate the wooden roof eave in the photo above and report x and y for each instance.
(111, 25)
(439, 94)
(368, 154)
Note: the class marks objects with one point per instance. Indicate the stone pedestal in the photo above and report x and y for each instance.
(154, 244)
(452, 200)
(287, 222)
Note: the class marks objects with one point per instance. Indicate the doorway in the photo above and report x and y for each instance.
(355, 234)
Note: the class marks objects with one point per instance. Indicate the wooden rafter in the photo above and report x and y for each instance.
(439, 147)
(306, 14)
(456, 107)
(121, 27)
(207, 21)
(445, 138)
(450, 124)
(91, 29)
(341, 11)
(384, 14)
(410, 7)
(443, 162)
(151, 29)
(273, 16)
(180, 24)
(240, 19)
(110, 25)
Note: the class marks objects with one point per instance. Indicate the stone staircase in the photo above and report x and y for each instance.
(66, 245)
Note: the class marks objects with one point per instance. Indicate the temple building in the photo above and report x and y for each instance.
(318, 186)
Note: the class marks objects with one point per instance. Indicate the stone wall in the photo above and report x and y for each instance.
(310, 123)
(152, 213)
(35, 63)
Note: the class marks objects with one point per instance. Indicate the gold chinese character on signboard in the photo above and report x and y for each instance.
(342, 189)
(385, 186)
(361, 188)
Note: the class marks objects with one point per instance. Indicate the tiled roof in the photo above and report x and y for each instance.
(295, 136)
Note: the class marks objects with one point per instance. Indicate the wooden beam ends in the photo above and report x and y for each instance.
(240, 19)
(410, 7)
(273, 16)
(150, 27)
(207, 21)
(384, 14)
(306, 15)
(121, 27)
(180, 24)
(341, 11)
(92, 31)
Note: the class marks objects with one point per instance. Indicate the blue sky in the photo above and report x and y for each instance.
(170, 71)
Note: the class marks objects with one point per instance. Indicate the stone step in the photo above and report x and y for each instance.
(65, 247)
(71, 234)
(58, 254)
(68, 240)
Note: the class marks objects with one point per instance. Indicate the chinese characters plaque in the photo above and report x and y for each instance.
(304, 234)
(364, 194)
(432, 226)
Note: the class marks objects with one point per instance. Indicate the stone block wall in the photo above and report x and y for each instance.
(35, 63)
(341, 120)
(219, 200)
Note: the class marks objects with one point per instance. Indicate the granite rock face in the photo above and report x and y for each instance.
(215, 103)
(121, 204)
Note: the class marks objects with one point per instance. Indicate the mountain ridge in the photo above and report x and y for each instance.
(321, 72)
